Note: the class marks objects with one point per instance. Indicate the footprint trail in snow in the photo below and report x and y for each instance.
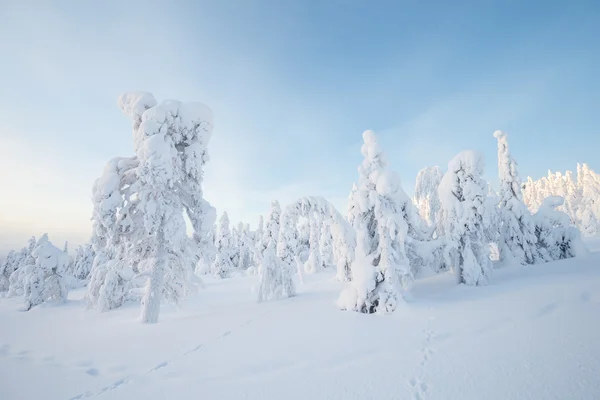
(417, 383)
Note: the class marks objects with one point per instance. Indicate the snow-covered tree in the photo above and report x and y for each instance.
(244, 246)
(44, 279)
(7, 267)
(82, 262)
(140, 201)
(326, 244)
(352, 210)
(303, 228)
(274, 281)
(426, 194)
(271, 230)
(260, 228)
(517, 242)
(207, 252)
(115, 215)
(492, 221)
(111, 281)
(16, 280)
(581, 196)
(556, 238)
(462, 193)
(314, 264)
(224, 264)
(344, 244)
(381, 269)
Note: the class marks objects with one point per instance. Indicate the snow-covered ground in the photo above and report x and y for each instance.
(532, 334)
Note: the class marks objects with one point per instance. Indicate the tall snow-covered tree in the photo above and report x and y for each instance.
(271, 230)
(140, 203)
(224, 264)
(244, 247)
(462, 194)
(426, 194)
(381, 269)
(517, 242)
(170, 144)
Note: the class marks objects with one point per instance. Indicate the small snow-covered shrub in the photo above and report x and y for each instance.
(557, 239)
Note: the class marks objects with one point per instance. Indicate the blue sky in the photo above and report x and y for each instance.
(292, 84)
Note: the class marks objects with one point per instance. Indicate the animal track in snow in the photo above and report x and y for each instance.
(129, 378)
(417, 384)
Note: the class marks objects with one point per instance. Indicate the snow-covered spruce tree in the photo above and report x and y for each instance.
(314, 264)
(303, 227)
(274, 280)
(114, 217)
(426, 194)
(44, 279)
(326, 243)
(463, 197)
(223, 265)
(271, 230)
(492, 221)
(7, 267)
(556, 238)
(244, 247)
(259, 229)
(207, 252)
(588, 212)
(140, 202)
(276, 265)
(234, 244)
(517, 241)
(24, 257)
(381, 268)
(276, 269)
(82, 262)
(352, 210)
(170, 144)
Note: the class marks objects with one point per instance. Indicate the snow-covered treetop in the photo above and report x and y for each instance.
(427, 182)
(134, 104)
(507, 169)
(466, 163)
(374, 160)
(50, 257)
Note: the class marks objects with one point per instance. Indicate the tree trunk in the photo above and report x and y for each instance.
(152, 294)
